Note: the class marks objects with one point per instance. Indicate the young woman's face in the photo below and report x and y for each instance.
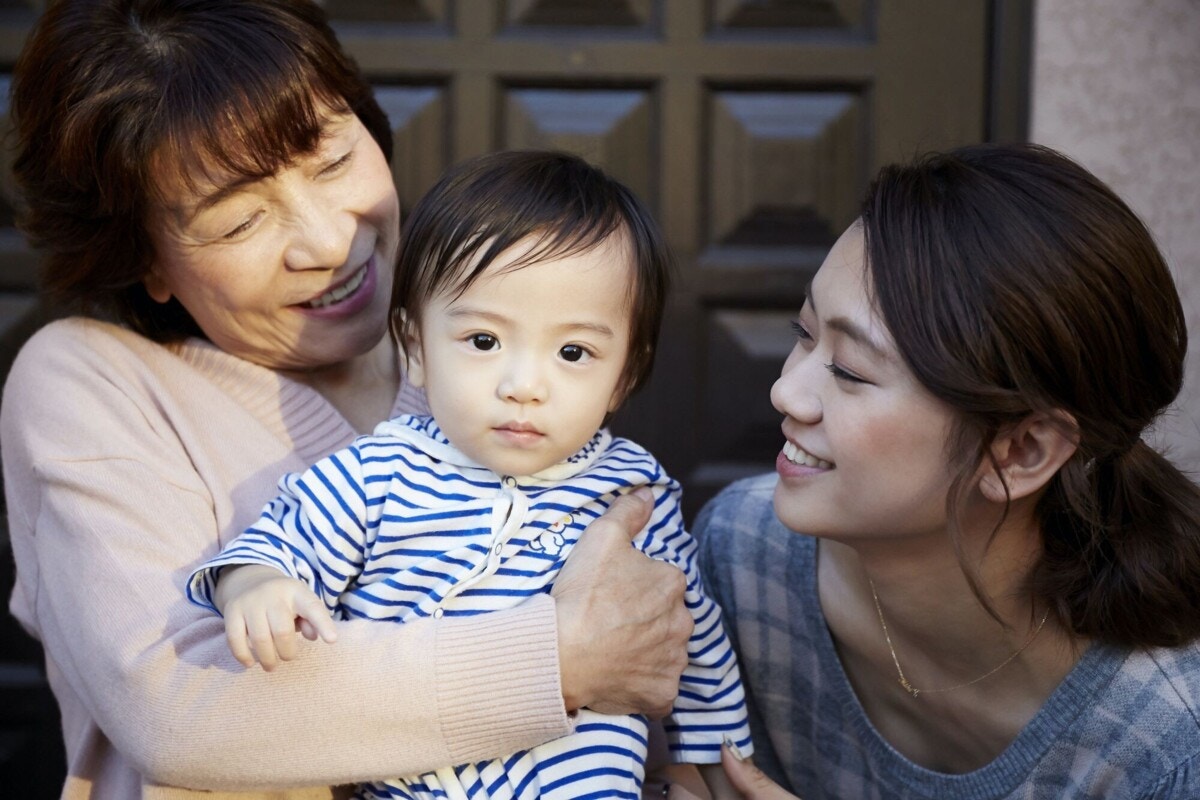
(866, 445)
(521, 368)
(293, 271)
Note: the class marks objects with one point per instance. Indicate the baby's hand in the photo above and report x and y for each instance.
(263, 609)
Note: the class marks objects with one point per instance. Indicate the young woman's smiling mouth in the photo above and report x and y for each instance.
(801, 457)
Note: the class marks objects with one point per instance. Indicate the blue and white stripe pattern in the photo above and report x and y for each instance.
(401, 525)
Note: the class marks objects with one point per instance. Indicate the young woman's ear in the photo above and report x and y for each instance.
(410, 344)
(1028, 455)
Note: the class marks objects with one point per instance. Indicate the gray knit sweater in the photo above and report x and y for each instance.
(1123, 724)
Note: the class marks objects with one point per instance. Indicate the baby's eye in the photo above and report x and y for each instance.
(573, 353)
(484, 341)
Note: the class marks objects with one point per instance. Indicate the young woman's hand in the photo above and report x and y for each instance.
(750, 781)
(263, 610)
(622, 625)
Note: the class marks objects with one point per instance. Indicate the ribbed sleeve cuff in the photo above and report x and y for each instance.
(498, 681)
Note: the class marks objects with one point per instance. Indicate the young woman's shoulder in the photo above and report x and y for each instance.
(743, 506)
(742, 542)
(1147, 721)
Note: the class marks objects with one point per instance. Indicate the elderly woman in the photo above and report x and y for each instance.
(209, 182)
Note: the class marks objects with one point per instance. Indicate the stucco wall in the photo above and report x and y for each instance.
(1116, 84)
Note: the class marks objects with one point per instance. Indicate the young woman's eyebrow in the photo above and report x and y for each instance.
(850, 329)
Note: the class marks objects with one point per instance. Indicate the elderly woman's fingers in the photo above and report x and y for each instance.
(622, 624)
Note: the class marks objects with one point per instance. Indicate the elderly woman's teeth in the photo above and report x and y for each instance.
(802, 457)
(341, 292)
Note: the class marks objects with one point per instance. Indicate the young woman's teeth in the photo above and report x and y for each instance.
(802, 457)
(340, 293)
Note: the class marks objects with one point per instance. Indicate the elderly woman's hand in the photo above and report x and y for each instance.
(622, 625)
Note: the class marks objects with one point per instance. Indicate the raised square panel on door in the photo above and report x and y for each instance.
(420, 137)
(611, 128)
(785, 167)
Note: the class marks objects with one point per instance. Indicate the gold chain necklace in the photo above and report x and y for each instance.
(914, 691)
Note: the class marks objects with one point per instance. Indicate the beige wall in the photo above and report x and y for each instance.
(1116, 84)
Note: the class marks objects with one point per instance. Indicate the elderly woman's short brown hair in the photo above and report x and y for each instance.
(106, 91)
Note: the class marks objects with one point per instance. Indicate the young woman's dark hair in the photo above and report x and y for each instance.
(107, 94)
(487, 204)
(1014, 281)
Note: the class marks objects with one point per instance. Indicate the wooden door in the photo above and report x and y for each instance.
(751, 127)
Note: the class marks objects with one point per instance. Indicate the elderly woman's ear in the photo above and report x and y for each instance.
(156, 287)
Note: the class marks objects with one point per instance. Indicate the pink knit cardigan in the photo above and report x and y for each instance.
(126, 464)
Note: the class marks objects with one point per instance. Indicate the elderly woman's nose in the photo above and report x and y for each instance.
(321, 235)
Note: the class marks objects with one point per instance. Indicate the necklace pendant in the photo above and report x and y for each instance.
(908, 687)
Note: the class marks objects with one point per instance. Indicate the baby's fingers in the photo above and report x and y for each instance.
(262, 640)
(237, 638)
(282, 622)
(313, 620)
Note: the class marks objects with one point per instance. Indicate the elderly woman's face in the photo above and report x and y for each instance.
(293, 271)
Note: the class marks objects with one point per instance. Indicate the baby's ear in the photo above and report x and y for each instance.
(1028, 455)
(409, 338)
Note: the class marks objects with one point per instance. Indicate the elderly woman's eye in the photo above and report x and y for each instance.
(484, 341)
(338, 165)
(243, 228)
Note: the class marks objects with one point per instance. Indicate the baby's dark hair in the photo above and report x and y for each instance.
(1014, 282)
(487, 204)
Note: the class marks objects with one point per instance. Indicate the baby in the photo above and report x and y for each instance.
(528, 297)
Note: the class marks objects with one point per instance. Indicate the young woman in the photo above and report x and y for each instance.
(971, 577)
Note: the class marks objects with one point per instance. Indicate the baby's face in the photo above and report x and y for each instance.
(521, 368)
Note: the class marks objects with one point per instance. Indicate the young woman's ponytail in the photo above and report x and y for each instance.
(1014, 281)
(1121, 562)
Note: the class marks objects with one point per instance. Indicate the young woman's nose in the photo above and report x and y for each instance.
(321, 233)
(523, 383)
(795, 393)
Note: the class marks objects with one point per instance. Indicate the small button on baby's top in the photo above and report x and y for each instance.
(437, 613)
(510, 481)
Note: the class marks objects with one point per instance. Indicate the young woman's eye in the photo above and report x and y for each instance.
(573, 353)
(841, 374)
(484, 341)
(800, 331)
